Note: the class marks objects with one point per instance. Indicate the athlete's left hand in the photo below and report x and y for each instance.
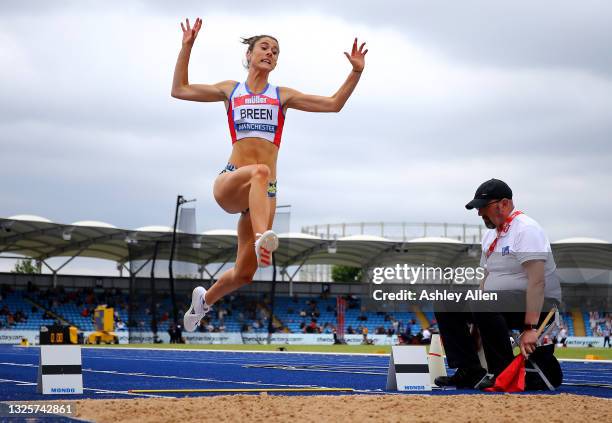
(357, 56)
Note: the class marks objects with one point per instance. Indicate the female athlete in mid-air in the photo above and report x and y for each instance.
(247, 185)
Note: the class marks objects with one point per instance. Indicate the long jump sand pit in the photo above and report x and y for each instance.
(355, 408)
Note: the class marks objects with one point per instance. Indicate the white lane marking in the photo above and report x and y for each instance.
(18, 382)
(583, 360)
(238, 351)
(238, 362)
(140, 374)
(98, 390)
(112, 348)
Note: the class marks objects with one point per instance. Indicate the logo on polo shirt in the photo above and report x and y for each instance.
(506, 250)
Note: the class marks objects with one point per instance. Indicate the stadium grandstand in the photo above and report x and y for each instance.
(283, 304)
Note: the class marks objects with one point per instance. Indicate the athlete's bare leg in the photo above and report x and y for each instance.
(246, 188)
(246, 262)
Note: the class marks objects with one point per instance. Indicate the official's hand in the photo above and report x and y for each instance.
(189, 33)
(357, 56)
(528, 343)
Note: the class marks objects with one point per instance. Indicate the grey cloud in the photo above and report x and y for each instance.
(80, 142)
(569, 34)
(523, 33)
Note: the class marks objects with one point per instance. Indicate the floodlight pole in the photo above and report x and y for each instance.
(180, 200)
(153, 296)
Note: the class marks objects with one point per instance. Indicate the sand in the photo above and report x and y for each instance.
(350, 408)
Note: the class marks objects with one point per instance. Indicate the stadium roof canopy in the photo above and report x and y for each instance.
(39, 238)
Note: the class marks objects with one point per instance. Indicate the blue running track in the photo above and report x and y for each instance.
(110, 373)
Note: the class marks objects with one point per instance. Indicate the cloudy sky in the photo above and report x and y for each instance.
(453, 93)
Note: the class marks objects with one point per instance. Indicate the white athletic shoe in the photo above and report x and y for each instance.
(264, 247)
(191, 319)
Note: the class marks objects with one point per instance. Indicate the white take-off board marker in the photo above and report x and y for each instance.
(408, 369)
(60, 370)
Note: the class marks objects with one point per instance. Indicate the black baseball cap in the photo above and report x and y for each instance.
(493, 189)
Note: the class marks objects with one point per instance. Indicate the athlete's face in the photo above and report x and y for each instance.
(264, 54)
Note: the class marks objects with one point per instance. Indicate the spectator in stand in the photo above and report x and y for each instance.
(353, 302)
(179, 334)
(593, 322)
(172, 334)
(426, 336)
(350, 330)
(221, 313)
(325, 292)
(562, 337)
(606, 335)
(337, 340)
(364, 332)
(20, 316)
(406, 335)
(312, 327)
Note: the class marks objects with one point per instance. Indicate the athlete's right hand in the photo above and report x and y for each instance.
(189, 33)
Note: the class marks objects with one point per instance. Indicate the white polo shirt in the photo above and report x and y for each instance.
(524, 241)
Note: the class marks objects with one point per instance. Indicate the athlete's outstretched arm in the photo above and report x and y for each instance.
(181, 88)
(315, 103)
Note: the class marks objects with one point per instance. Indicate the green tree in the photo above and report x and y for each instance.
(26, 266)
(346, 274)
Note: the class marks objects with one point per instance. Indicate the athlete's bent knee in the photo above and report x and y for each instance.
(261, 172)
